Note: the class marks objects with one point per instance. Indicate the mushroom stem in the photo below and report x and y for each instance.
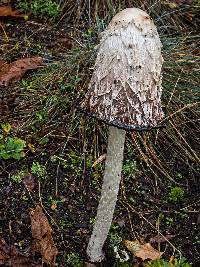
(109, 192)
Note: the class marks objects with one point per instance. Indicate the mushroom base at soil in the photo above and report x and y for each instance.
(110, 188)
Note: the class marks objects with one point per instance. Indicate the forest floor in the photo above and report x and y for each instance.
(160, 187)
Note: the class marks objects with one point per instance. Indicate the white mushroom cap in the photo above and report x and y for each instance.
(133, 15)
(125, 89)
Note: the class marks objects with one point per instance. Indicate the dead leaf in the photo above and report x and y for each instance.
(2, 62)
(144, 252)
(99, 160)
(32, 148)
(7, 11)
(10, 256)
(42, 239)
(54, 206)
(161, 239)
(14, 71)
(29, 181)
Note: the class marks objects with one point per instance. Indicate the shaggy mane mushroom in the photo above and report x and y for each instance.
(125, 92)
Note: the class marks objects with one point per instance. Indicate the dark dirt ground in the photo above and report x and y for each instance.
(69, 192)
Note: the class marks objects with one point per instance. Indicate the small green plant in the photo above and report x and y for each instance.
(97, 174)
(92, 221)
(173, 262)
(101, 24)
(179, 176)
(54, 202)
(42, 8)
(43, 140)
(10, 147)
(115, 244)
(74, 163)
(129, 168)
(74, 260)
(41, 116)
(176, 194)
(28, 85)
(130, 165)
(169, 220)
(18, 177)
(115, 239)
(197, 240)
(132, 200)
(89, 32)
(181, 214)
(6, 127)
(63, 224)
(69, 86)
(39, 170)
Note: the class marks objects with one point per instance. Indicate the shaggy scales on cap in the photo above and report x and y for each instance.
(125, 89)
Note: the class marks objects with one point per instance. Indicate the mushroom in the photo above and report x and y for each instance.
(125, 92)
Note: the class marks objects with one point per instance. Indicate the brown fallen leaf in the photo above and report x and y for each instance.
(42, 239)
(54, 206)
(14, 71)
(7, 11)
(2, 62)
(160, 238)
(10, 256)
(144, 252)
